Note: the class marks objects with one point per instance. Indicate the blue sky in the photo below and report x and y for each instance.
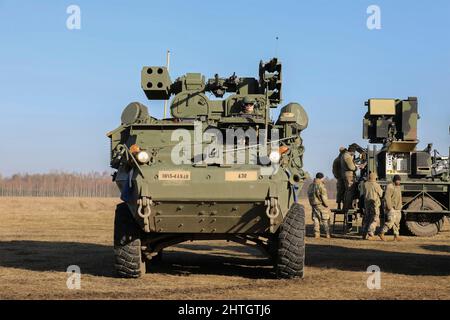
(61, 90)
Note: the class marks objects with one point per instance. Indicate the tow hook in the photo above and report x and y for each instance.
(272, 212)
(144, 207)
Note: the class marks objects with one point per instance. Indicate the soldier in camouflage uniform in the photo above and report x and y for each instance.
(372, 202)
(337, 173)
(393, 203)
(348, 171)
(318, 199)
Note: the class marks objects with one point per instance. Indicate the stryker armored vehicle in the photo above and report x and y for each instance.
(218, 169)
(425, 173)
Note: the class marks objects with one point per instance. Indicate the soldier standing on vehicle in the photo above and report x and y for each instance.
(393, 203)
(372, 202)
(348, 171)
(337, 173)
(318, 199)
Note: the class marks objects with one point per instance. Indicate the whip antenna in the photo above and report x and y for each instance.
(167, 65)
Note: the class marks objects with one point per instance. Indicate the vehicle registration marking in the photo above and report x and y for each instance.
(241, 175)
(174, 175)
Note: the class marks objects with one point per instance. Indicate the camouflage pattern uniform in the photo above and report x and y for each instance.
(348, 168)
(372, 202)
(337, 173)
(318, 198)
(393, 201)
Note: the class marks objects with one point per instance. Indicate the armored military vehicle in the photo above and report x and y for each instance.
(425, 173)
(218, 168)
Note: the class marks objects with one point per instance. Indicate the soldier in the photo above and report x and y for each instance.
(393, 203)
(337, 173)
(248, 106)
(318, 199)
(372, 202)
(348, 172)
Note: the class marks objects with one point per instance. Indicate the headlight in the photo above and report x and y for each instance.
(274, 157)
(142, 157)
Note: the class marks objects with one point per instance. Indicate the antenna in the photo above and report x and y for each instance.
(167, 65)
(276, 46)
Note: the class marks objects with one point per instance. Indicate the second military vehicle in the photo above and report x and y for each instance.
(219, 168)
(425, 173)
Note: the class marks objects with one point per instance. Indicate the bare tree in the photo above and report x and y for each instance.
(59, 184)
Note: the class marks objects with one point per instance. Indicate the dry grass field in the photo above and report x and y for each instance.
(40, 238)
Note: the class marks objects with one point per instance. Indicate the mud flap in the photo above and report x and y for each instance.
(125, 193)
(294, 188)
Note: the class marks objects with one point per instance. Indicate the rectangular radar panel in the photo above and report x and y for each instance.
(380, 107)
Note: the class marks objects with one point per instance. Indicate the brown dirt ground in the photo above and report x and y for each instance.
(40, 238)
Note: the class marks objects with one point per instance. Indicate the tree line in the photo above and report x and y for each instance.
(94, 184)
(59, 184)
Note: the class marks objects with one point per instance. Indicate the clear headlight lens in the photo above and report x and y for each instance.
(142, 157)
(274, 157)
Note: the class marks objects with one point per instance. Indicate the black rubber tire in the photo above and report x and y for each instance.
(290, 260)
(158, 258)
(424, 229)
(128, 261)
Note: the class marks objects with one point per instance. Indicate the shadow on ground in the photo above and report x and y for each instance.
(358, 259)
(437, 248)
(231, 260)
(97, 260)
(93, 259)
(214, 260)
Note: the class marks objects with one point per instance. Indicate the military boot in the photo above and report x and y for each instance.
(328, 236)
(397, 238)
(317, 235)
(369, 237)
(381, 235)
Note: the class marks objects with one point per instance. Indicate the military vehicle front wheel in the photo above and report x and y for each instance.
(424, 225)
(127, 244)
(290, 259)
